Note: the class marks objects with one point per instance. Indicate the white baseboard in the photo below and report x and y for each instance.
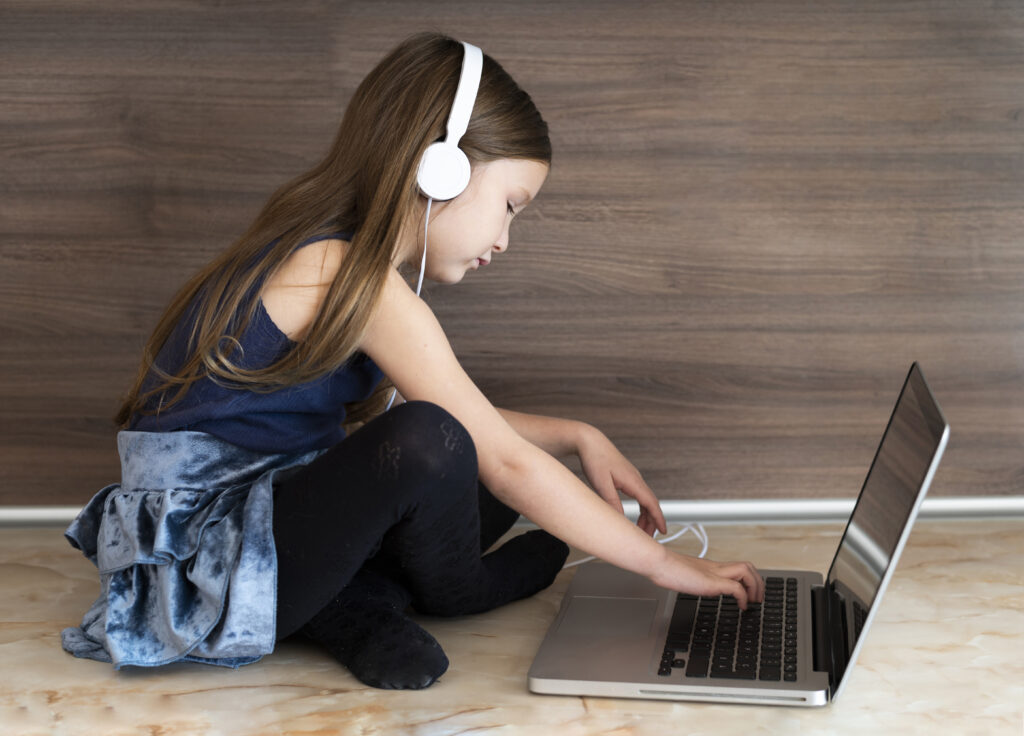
(739, 511)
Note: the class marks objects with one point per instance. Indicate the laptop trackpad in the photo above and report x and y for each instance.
(594, 616)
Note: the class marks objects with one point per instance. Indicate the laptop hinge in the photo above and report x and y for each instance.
(837, 625)
(820, 630)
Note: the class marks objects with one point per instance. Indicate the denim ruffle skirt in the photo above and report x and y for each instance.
(185, 551)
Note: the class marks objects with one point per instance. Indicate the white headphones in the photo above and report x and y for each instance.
(444, 169)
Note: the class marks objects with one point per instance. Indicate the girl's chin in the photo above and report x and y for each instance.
(451, 277)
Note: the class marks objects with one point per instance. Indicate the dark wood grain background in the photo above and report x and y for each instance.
(759, 214)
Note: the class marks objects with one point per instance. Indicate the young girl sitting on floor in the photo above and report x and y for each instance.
(246, 514)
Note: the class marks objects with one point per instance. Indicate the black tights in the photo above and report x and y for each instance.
(395, 512)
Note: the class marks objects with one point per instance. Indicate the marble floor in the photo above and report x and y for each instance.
(945, 656)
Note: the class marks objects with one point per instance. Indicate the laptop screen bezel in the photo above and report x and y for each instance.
(939, 428)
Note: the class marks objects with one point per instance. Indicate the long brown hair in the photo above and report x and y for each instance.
(367, 185)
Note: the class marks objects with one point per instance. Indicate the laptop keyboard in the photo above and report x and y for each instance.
(711, 636)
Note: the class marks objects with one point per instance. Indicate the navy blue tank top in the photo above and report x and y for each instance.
(291, 419)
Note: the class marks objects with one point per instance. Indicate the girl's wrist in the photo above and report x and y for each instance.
(584, 435)
(657, 563)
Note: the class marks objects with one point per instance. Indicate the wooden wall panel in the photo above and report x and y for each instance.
(759, 214)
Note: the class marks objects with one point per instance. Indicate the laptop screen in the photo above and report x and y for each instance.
(898, 478)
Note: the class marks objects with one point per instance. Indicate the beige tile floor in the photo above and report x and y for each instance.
(945, 656)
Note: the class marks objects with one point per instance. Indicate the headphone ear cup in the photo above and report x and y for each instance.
(443, 172)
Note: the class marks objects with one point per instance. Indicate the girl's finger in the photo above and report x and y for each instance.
(751, 580)
(649, 503)
(737, 591)
(606, 489)
(646, 523)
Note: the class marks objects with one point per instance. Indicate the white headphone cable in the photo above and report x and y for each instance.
(419, 282)
(423, 260)
(698, 531)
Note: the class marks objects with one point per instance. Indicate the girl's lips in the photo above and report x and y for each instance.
(481, 262)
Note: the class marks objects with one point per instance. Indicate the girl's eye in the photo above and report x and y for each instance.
(511, 211)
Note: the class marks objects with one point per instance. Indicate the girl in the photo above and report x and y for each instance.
(245, 513)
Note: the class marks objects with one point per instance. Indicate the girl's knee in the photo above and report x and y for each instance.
(420, 414)
(429, 442)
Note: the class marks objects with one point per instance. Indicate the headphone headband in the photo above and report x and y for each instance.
(465, 94)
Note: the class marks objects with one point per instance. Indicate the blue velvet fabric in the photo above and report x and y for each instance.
(185, 551)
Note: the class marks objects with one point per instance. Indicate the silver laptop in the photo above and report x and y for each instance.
(619, 635)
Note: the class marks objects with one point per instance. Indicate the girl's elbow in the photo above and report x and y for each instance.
(508, 474)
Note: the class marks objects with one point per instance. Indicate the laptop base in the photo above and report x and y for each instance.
(609, 637)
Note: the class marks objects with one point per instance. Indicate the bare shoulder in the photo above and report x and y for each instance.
(293, 295)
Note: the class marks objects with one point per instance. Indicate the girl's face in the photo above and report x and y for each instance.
(466, 232)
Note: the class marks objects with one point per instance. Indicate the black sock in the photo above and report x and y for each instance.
(527, 563)
(365, 628)
(459, 582)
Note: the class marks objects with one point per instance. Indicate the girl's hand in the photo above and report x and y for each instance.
(706, 577)
(610, 472)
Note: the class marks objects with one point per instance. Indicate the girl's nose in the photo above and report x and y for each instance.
(501, 245)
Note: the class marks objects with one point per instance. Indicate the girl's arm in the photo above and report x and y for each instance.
(607, 469)
(557, 437)
(406, 341)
